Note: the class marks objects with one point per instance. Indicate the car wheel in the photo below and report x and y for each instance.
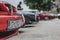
(23, 26)
(46, 18)
(27, 21)
(37, 19)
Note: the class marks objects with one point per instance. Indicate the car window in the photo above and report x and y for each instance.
(14, 9)
(8, 6)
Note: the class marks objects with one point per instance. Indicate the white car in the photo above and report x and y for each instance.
(20, 13)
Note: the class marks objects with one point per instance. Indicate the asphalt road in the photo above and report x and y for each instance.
(44, 30)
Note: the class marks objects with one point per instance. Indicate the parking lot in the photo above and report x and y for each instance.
(44, 30)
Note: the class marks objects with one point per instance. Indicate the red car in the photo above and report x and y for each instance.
(58, 15)
(46, 16)
(9, 19)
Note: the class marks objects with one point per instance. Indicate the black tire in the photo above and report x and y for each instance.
(27, 21)
(23, 26)
(46, 18)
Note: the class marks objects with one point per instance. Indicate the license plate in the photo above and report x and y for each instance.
(15, 23)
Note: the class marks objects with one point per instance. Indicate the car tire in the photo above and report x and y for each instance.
(46, 18)
(27, 21)
(23, 26)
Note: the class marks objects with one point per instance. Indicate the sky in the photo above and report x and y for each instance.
(16, 2)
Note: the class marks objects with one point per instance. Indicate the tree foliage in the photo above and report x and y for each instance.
(39, 4)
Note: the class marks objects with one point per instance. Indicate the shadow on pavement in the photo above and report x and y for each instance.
(21, 31)
(46, 20)
(29, 26)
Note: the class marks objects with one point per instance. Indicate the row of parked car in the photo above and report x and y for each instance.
(29, 16)
(12, 19)
(49, 15)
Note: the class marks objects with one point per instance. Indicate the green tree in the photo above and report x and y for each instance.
(39, 4)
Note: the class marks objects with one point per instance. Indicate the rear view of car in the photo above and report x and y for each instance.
(9, 20)
(30, 17)
(46, 16)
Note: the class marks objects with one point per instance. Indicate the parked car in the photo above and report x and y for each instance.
(58, 15)
(20, 13)
(54, 14)
(46, 16)
(9, 19)
(30, 16)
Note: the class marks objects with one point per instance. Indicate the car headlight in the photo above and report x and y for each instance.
(13, 24)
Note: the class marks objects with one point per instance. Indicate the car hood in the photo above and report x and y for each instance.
(25, 13)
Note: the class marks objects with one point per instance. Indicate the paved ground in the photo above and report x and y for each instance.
(44, 30)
